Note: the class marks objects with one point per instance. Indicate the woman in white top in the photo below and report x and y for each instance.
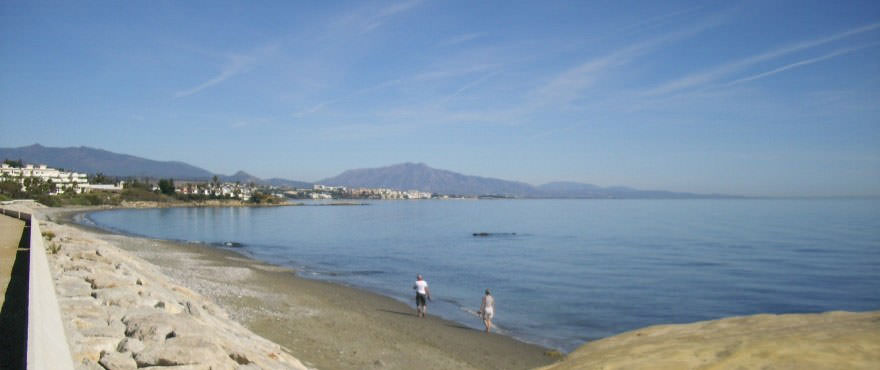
(487, 310)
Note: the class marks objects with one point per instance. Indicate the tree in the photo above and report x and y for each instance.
(100, 178)
(36, 186)
(166, 186)
(11, 163)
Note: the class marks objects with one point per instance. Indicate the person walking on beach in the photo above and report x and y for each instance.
(423, 294)
(487, 310)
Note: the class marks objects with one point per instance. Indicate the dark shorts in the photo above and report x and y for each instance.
(421, 300)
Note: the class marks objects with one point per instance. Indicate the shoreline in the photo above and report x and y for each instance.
(324, 324)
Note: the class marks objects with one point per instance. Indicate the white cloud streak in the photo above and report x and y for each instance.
(359, 23)
(462, 38)
(716, 73)
(236, 64)
(566, 86)
(801, 64)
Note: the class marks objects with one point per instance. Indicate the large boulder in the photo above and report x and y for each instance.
(188, 350)
(117, 361)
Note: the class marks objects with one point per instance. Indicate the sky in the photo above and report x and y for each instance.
(775, 98)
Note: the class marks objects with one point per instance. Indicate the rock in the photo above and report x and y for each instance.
(82, 323)
(119, 296)
(71, 286)
(157, 327)
(151, 328)
(239, 358)
(91, 347)
(132, 345)
(101, 280)
(114, 329)
(183, 351)
(192, 309)
(89, 256)
(117, 361)
(81, 307)
(87, 364)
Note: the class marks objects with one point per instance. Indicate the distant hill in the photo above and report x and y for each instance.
(246, 178)
(404, 176)
(418, 176)
(285, 183)
(91, 161)
(564, 189)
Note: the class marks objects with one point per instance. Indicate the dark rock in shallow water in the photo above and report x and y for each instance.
(493, 234)
(229, 244)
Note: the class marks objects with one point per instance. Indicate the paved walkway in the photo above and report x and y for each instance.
(10, 235)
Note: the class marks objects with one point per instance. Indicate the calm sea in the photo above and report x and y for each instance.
(575, 270)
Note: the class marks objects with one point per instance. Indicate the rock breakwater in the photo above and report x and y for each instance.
(121, 312)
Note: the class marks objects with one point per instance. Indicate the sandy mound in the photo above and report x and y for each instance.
(834, 340)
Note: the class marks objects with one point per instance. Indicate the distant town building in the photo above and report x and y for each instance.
(103, 187)
(216, 190)
(328, 188)
(63, 180)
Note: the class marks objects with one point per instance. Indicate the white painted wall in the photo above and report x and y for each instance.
(47, 347)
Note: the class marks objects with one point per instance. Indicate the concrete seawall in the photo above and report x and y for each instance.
(47, 346)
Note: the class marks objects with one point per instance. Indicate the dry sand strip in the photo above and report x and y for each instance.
(325, 325)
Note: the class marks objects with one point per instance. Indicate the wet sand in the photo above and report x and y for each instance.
(325, 325)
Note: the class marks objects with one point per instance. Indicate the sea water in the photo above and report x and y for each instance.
(563, 272)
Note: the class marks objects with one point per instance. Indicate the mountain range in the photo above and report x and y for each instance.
(418, 176)
(404, 176)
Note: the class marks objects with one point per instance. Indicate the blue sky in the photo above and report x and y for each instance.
(752, 98)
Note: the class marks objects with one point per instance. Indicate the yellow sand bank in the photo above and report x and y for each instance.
(834, 340)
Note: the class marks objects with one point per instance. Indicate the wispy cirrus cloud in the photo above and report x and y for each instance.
(236, 64)
(313, 109)
(714, 74)
(567, 85)
(802, 63)
(460, 39)
(364, 20)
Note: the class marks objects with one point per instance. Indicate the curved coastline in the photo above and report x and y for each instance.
(365, 325)
(80, 217)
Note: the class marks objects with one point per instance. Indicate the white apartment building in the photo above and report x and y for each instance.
(328, 188)
(63, 180)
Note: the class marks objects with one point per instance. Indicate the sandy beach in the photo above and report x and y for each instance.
(324, 325)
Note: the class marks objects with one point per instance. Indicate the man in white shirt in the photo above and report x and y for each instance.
(423, 294)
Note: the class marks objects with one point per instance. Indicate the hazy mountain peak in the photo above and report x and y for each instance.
(420, 176)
